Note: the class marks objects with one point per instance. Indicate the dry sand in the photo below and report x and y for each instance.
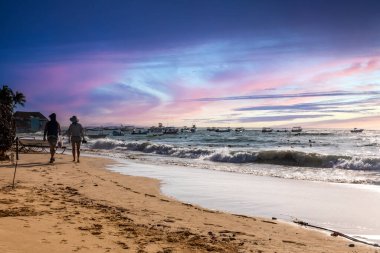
(71, 207)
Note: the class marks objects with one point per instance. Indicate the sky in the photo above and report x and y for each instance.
(206, 62)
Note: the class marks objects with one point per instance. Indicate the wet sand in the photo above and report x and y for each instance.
(71, 207)
(352, 209)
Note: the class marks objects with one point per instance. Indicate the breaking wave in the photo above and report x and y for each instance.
(225, 155)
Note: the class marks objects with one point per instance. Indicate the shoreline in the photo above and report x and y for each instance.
(85, 207)
(316, 203)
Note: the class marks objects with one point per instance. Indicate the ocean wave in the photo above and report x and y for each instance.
(105, 144)
(278, 157)
(225, 155)
(357, 163)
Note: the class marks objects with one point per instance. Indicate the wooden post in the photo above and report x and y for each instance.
(14, 174)
(16, 148)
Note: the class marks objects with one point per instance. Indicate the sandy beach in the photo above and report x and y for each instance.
(351, 209)
(71, 207)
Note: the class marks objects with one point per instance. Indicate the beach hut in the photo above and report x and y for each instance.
(29, 122)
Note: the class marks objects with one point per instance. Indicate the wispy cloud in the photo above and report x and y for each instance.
(354, 69)
(281, 118)
(296, 95)
(272, 118)
(328, 106)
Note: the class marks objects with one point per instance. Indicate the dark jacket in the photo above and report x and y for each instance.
(52, 128)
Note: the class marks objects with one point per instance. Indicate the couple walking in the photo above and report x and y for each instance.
(75, 134)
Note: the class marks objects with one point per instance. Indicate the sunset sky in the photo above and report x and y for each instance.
(206, 62)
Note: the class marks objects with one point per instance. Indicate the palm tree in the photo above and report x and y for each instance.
(8, 101)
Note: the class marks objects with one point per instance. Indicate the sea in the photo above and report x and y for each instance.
(314, 154)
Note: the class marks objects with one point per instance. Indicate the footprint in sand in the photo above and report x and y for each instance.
(123, 245)
(45, 241)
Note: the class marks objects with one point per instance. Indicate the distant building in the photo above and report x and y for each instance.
(29, 122)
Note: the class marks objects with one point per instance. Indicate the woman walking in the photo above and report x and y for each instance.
(76, 135)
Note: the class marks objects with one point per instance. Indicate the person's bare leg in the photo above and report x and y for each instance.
(52, 151)
(73, 150)
(78, 151)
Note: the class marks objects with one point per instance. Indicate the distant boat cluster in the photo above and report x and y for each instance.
(102, 132)
(225, 130)
(296, 129)
(98, 132)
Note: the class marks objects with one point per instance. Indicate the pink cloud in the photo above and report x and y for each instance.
(373, 65)
(354, 69)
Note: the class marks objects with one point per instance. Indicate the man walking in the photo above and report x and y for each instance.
(52, 130)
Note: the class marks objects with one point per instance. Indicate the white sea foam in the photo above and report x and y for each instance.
(227, 155)
(357, 163)
(321, 155)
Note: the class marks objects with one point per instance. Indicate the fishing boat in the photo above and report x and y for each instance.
(239, 129)
(267, 130)
(128, 128)
(170, 130)
(140, 131)
(96, 133)
(223, 130)
(155, 131)
(297, 129)
(357, 130)
(185, 129)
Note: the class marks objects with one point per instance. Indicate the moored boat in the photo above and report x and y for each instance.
(139, 131)
(223, 130)
(267, 130)
(357, 130)
(185, 129)
(297, 129)
(126, 128)
(170, 130)
(95, 133)
(239, 129)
